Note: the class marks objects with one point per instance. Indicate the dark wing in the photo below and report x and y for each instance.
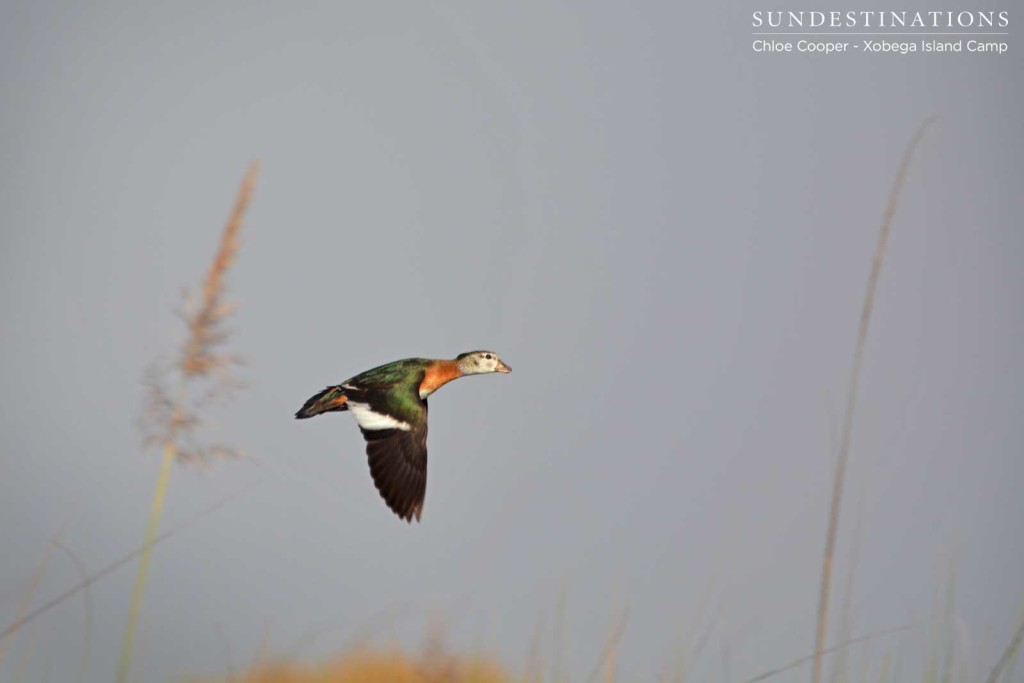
(393, 419)
(398, 464)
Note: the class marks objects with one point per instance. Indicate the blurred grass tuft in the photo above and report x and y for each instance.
(375, 666)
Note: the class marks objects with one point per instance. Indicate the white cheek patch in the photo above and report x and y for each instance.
(373, 421)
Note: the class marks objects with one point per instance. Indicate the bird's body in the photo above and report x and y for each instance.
(389, 404)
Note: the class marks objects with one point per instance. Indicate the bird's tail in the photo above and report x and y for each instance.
(331, 398)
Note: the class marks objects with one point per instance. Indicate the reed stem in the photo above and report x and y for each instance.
(152, 527)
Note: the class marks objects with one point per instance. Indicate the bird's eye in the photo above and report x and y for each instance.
(487, 356)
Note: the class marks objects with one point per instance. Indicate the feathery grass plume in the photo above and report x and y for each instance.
(202, 376)
(851, 399)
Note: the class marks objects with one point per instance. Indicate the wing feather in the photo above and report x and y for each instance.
(398, 465)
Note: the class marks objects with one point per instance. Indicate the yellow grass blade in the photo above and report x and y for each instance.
(152, 526)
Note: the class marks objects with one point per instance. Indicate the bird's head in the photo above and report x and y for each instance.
(480, 362)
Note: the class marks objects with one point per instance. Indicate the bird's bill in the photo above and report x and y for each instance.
(501, 367)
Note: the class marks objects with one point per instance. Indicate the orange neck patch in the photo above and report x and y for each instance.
(438, 373)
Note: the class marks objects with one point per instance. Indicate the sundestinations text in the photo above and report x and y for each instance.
(880, 19)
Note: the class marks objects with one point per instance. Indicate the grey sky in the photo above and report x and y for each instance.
(665, 235)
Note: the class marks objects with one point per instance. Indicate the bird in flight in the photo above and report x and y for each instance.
(389, 404)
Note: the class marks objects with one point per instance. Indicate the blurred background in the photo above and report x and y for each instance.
(665, 234)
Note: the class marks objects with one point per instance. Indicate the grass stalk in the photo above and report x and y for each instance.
(152, 527)
(851, 401)
(1008, 654)
(606, 663)
(83, 666)
(535, 659)
(37, 576)
(559, 635)
(799, 661)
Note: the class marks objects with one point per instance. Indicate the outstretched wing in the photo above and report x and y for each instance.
(394, 423)
(398, 464)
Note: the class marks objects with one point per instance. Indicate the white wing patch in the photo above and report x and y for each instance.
(373, 421)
